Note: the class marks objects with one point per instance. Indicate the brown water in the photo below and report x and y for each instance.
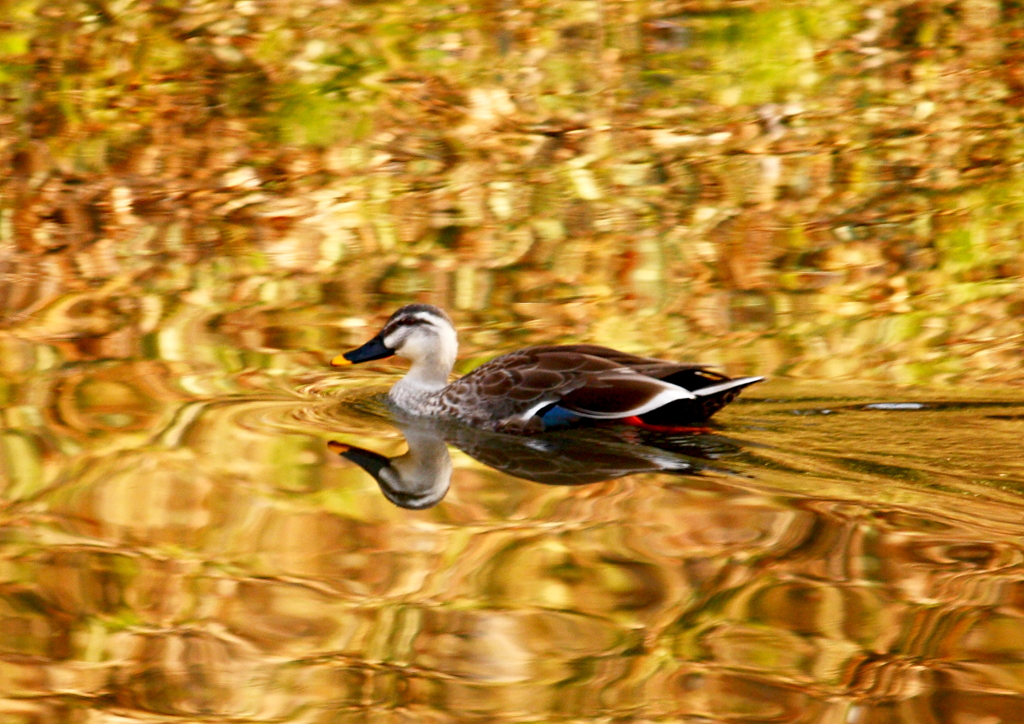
(178, 543)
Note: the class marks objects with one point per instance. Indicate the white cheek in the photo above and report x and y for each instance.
(415, 346)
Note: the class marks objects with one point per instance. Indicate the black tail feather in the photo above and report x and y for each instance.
(721, 392)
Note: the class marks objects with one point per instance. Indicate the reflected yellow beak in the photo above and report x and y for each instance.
(338, 447)
(340, 361)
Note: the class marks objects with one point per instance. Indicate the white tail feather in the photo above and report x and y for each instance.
(739, 382)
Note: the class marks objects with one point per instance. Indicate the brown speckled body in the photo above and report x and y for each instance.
(498, 394)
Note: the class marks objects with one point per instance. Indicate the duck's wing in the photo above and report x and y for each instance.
(621, 393)
(509, 391)
(651, 366)
(696, 378)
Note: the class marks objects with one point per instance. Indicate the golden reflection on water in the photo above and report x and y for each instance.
(825, 189)
(176, 545)
(204, 201)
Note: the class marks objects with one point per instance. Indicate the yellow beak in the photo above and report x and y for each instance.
(340, 361)
(338, 447)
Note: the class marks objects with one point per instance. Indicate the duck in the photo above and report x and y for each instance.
(543, 387)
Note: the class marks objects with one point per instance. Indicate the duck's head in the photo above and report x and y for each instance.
(418, 332)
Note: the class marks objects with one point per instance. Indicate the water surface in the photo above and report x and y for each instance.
(203, 201)
(182, 545)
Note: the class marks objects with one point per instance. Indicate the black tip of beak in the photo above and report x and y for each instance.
(374, 349)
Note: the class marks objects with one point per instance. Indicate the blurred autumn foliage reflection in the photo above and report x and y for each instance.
(819, 189)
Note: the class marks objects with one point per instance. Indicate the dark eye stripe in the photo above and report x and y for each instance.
(395, 324)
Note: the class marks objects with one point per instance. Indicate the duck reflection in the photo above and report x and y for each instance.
(416, 480)
(420, 478)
